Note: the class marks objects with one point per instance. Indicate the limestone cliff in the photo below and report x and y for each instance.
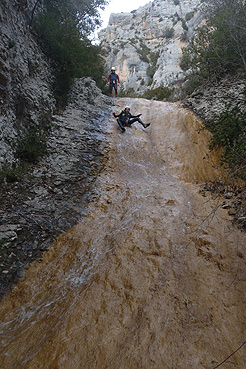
(25, 77)
(146, 44)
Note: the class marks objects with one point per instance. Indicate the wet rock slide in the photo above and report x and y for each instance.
(152, 277)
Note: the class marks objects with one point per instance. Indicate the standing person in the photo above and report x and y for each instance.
(112, 80)
(125, 118)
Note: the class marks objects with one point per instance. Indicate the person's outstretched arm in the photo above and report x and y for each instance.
(116, 115)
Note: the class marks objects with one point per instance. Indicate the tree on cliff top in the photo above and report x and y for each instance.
(84, 11)
(219, 47)
(62, 28)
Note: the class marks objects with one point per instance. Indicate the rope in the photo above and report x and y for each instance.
(230, 355)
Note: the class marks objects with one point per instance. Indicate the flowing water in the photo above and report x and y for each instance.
(153, 277)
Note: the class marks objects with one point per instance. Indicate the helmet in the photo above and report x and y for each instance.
(127, 107)
(113, 68)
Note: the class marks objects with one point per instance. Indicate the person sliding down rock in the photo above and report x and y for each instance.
(126, 119)
(112, 81)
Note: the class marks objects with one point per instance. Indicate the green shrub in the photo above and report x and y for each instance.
(71, 53)
(169, 32)
(185, 62)
(150, 81)
(154, 57)
(192, 82)
(219, 47)
(151, 71)
(159, 93)
(31, 147)
(144, 52)
(130, 92)
(133, 41)
(12, 43)
(229, 132)
(10, 173)
(189, 16)
(176, 2)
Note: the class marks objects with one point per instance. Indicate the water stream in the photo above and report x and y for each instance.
(148, 279)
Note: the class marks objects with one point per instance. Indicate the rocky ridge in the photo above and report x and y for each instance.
(146, 45)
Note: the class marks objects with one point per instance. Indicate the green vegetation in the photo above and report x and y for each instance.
(130, 92)
(189, 16)
(148, 57)
(151, 71)
(62, 29)
(185, 62)
(12, 43)
(152, 65)
(133, 41)
(176, 2)
(159, 93)
(143, 52)
(191, 84)
(169, 32)
(229, 133)
(27, 151)
(218, 49)
(31, 147)
(10, 173)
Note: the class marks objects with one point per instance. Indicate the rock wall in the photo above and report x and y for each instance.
(25, 77)
(213, 99)
(52, 197)
(146, 45)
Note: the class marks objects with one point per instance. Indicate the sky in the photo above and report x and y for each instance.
(118, 6)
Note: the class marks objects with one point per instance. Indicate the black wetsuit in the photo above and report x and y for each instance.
(126, 119)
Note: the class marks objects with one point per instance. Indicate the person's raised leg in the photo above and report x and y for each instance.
(145, 125)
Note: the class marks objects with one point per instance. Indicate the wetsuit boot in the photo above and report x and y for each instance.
(143, 124)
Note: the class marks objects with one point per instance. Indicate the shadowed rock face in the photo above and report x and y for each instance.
(51, 197)
(130, 40)
(25, 77)
(47, 200)
(152, 277)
